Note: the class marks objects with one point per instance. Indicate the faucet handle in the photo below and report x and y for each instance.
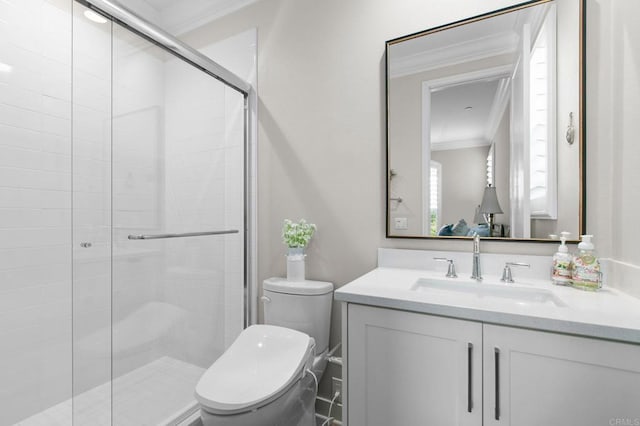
(507, 276)
(451, 271)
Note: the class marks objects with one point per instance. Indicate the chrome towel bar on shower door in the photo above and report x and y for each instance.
(186, 234)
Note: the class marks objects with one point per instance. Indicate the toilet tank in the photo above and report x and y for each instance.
(301, 305)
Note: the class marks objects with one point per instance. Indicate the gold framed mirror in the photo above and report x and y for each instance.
(485, 126)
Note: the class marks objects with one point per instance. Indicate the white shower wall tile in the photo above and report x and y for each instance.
(32, 237)
(14, 258)
(22, 98)
(91, 125)
(89, 61)
(91, 292)
(92, 91)
(56, 126)
(19, 117)
(32, 218)
(32, 296)
(233, 303)
(15, 157)
(90, 150)
(15, 278)
(18, 197)
(189, 167)
(55, 31)
(49, 79)
(35, 179)
(55, 107)
(34, 315)
(23, 138)
(89, 218)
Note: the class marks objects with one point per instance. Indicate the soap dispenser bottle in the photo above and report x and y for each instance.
(586, 267)
(562, 263)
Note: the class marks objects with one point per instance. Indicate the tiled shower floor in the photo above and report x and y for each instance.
(155, 394)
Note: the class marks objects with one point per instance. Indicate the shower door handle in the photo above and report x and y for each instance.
(85, 245)
(183, 235)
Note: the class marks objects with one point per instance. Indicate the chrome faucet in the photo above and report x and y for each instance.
(451, 271)
(476, 274)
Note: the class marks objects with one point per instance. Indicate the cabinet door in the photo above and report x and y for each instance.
(552, 379)
(408, 369)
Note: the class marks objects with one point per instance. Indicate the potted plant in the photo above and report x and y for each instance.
(296, 236)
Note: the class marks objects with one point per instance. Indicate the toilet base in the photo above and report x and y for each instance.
(296, 407)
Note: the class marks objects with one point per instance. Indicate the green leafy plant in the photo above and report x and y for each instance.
(297, 234)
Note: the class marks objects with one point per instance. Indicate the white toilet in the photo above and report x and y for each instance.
(263, 378)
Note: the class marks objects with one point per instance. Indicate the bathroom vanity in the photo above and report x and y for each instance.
(421, 348)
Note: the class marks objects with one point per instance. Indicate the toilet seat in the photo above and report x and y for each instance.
(258, 367)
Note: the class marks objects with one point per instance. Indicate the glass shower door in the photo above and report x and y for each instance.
(91, 219)
(177, 169)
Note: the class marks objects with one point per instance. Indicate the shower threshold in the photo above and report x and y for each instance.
(158, 393)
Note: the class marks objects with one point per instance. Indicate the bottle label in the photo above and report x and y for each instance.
(586, 272)
(561, 274)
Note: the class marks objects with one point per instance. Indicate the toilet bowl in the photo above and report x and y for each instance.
(262, 379)
(269, 374)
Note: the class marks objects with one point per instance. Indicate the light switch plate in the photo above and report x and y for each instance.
(400, 223)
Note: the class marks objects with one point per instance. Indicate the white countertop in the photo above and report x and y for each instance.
(607, 314)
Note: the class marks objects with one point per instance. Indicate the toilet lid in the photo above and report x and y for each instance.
(262, 362)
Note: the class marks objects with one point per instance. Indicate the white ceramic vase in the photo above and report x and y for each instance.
(295, 264)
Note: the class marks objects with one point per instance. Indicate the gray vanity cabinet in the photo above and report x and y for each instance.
(405, 369)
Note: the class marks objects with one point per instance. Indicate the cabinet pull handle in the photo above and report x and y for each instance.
(496, 354)
(469, 376)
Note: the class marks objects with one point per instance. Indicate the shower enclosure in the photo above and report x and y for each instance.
(124, 222)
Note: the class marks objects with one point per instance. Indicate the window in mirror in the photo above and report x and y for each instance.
(543, 193)
(435, 187)
(490, 161)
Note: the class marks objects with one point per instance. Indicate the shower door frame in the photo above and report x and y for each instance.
(114, 11)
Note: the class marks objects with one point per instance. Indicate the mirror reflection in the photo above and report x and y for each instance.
(482, 121)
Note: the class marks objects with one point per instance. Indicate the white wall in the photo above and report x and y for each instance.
(613, 102)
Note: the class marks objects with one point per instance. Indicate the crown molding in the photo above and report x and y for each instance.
(178, 19)
(458, 144)
(468, 51)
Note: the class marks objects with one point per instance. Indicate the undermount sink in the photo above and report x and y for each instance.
(519, 295)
